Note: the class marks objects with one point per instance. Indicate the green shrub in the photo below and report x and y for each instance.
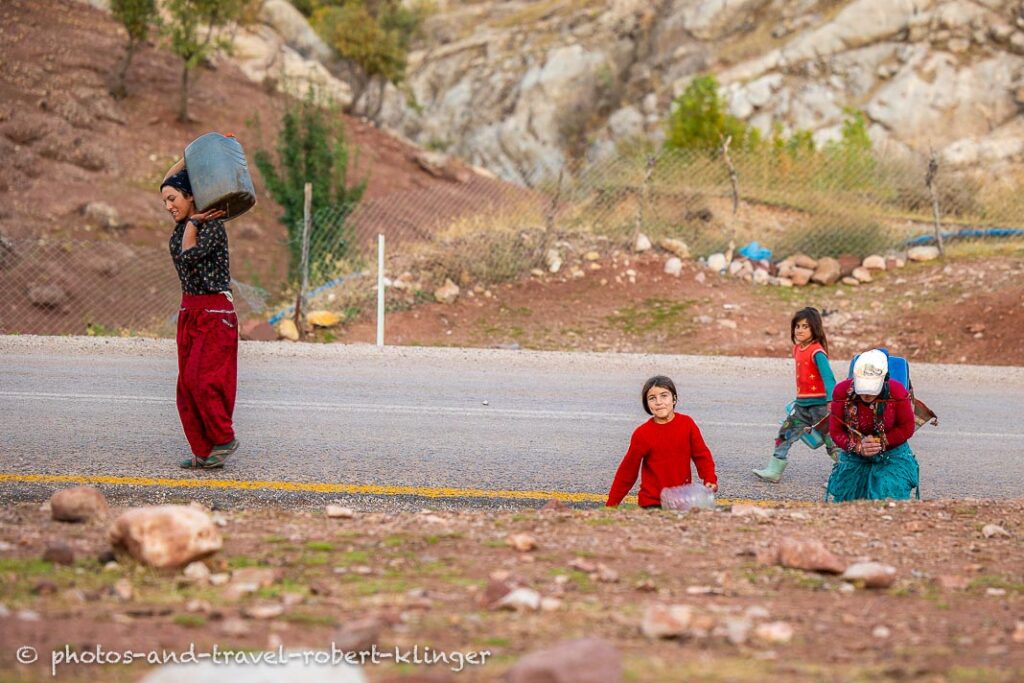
(312, 148)
(699, 120)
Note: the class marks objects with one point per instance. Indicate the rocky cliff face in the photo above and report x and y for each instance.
(520, 86)
(511, 85)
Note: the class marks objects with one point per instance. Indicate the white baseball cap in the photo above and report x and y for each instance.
(869, 372)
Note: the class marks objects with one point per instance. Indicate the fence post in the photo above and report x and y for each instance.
(733, 175)
(307, 220)
(380, 290)
(929, 180)
(644, 192)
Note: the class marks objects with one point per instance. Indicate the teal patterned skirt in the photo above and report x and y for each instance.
(893, 474)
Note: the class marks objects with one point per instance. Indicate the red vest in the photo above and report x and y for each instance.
(808, 380)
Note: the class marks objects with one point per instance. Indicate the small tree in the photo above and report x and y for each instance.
(190, 33)
(136, 16)
(312, 148)
(699, 120)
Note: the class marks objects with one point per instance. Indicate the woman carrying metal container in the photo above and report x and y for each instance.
(207, 333)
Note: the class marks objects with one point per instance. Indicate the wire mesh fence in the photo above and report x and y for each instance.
(475, 229)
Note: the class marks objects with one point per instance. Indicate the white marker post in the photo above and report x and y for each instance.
(380, 290)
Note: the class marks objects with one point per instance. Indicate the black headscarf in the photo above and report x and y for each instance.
(179, 181)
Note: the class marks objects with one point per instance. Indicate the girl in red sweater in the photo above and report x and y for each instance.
(661, 449)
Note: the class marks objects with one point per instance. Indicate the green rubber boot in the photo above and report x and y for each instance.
(773, 472)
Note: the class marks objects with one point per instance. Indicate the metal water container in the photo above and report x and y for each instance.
(219, 175)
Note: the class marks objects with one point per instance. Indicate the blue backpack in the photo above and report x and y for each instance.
(899, 370)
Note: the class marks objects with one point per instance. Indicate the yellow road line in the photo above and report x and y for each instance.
(316, 487)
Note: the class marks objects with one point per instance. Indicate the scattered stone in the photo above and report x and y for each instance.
(521, 542)
(851, 281)
(804, 261)
(447, 293)
(870, 574)
(101, 215)
(165, 535)
(717, 262)
(642, 244)
(359, 635)
(748, 510)
(862, 274)
(555, 505)
(264, 610)
(197, 606)
(286, 329)
(78, 504)
(592, 256)
(583, 565)
(47, 295)
(59, 553)
(728, 324)
(44, 587)
(520, 600)
(605, 574)
(235, 627)
(675, 247)
(874, 262)
(807, 554)
(553, 260)
(1018, 632)
(550, 604)
(847, 264)
(673, 266)
(761, 276)
(994, 530)
(219, 579)
(737, 629)
(256, 329)
(800, 276)
(339, 512)
(881, 632)
(827, 272)
(197, 572)
(323, 318)
(124, 590)
(775, 632)
(666, 621)
(585, 660)
(928, 253)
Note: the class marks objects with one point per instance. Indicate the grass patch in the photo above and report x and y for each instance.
(309, 619)
(321, 546)
(653, 315)
(190, 620)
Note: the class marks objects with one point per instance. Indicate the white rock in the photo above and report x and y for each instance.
(165, 535)
(339, 512)
(871, 574)
(674, 266)
(666, 621)
(197, 572)
(643, 243)
(874, 262)
(447, 293)
(775, 632)
(991, 530)
(520, 599)
(717, 262)
(926, 253)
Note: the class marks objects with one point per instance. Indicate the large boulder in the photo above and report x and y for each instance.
(165, 535)
(79, 504)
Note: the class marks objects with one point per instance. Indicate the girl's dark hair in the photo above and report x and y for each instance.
(662, 382)
(813, 318)
(179, 181)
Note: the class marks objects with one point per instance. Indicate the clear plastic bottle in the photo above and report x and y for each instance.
(686, 497)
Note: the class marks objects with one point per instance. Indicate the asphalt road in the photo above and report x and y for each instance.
(393, 426)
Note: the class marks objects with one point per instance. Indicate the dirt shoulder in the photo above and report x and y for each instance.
(954, 613)
(969, 310)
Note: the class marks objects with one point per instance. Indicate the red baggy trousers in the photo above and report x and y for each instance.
(207, 370)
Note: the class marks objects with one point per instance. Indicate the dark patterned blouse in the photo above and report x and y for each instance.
(203, 269)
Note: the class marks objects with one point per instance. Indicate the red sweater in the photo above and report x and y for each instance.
(661, 453)
(897, 418)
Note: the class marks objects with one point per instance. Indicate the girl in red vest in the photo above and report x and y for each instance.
(814, 385)
(661, 449)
